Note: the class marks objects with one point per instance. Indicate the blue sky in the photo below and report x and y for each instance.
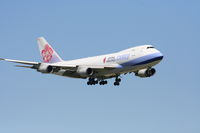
(168, 102)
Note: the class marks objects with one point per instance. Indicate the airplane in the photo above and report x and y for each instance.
(137, 60)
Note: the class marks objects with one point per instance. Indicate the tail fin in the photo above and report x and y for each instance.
(48, 54)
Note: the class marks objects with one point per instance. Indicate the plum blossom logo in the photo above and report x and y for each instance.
(104, 60)
(47, 53)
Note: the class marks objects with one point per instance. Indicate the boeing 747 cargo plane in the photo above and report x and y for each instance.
(138, 60)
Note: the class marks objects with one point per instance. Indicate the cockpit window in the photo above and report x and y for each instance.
(150, 47)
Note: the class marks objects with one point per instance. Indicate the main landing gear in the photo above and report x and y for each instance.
(93, 81)
(103, 82)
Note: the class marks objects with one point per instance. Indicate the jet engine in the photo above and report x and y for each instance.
(85, 71)
(45, 68)
(146, 72)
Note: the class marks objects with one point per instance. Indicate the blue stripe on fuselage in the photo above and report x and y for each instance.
(144, 60)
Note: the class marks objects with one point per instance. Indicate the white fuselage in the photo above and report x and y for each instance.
(129, 60)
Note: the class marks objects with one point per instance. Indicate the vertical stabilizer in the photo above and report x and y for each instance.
(47, 53)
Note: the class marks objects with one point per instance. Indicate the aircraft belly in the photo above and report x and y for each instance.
(107, 73)
(70, 74)
(127, 69)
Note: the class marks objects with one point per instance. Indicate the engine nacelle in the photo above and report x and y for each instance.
(146, 72)
(85, 71)
(45, 68)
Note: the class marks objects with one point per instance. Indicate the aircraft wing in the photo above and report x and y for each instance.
(35, 65)
(21, 62)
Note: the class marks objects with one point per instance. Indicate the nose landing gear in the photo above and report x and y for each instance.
(117, 81)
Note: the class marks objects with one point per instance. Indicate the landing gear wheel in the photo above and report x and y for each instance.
(117, 80)
(106, 82)
(116, 83)
(103, 82)
(92, 81)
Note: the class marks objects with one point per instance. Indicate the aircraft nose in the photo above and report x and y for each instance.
(161, 56)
